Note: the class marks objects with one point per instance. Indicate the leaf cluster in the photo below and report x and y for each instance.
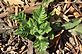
(36, 26)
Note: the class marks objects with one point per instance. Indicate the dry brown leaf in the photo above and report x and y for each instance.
(68, 45)
(4, 27)
(9, 23)
(64, 17)
(16, 10)
(26, 1)
(76, 14)
(28, 9)
(59, 8)
(1, 4)
(10, 9)
(61, 14)
(66, 11)
(57, 11)
(14, 24)
(4, 14)
(71, 9)
(71, 40)
(16, 2)
(65, 48)
(80, 47)
(22, 48)
(68, 3)
(64, 8)
(70, 16)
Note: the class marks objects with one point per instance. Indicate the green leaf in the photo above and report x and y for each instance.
(36, 26)
(34, 30)
(30, 23)
(22, 31)
(40, 15)
(78, 28)
(41, 45)
(71, 25)
(45, 27)
(21, 18)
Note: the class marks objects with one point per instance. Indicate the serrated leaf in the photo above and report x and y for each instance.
(45, 27)
(20, 17)
(30, 23)
(34, 30)
(41, 45)
(39, 15)
(36, 26)
(48, 28)
(71, 25)
(40, 32)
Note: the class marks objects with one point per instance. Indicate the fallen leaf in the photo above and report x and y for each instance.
(71, 9)
(76, 14)
(59, 13)
(16, 2)
(80, 47)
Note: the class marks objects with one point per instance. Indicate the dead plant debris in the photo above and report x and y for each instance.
(59, 12)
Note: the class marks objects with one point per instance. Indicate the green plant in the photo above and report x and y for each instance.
(72, 24)
(36, 26)
(75, 27)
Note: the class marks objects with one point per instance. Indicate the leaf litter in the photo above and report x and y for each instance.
(67, 40)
